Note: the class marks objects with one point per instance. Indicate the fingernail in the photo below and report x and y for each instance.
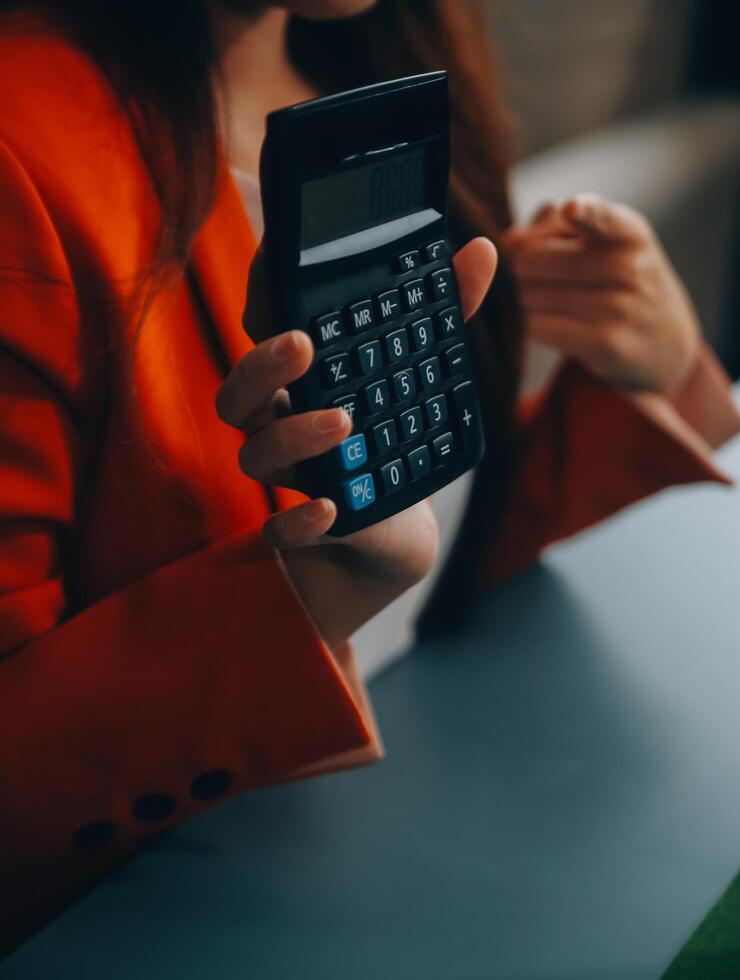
(331, 421)
(284, 347)
(314, 511)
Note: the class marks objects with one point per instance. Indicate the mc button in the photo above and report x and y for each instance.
(327, 329)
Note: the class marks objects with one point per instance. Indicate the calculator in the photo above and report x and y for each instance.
(354, 194)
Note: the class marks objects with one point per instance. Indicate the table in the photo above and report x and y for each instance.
(560, 801)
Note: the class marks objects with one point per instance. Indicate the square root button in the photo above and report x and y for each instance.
(360, 492)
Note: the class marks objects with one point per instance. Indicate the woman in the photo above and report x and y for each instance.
(175, 633)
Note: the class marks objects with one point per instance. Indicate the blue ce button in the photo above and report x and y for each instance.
(352, 452)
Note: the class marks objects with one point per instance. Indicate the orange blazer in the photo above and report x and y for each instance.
(155, 656)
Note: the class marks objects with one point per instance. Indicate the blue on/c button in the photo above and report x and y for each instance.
(352, 452)
(360, 492)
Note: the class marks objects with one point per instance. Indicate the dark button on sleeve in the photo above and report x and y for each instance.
(153, 806)
(210, 784)
(93, 835)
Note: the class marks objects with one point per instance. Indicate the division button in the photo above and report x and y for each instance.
(384, 436)
(368, 357)
(455, 360)
(360, 492)
(377, 397)
(413, 295)
(396, 345)
(392, 475)
(441, 283)
(421, 334)
(436, 411)
(360, 316)
(434, 251)
(327, 329)
(335, 370)
(443, 447)
(419, 462)
(411, 424)
(388, 305)
(352, 453)
(465, 408)
(407, 262)
(449, 322)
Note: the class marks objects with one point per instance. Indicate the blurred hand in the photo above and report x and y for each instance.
(596, 284)
(342, 582)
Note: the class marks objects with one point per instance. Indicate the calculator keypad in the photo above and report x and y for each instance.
(413, 407)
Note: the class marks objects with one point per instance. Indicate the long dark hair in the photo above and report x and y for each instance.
(162, 61)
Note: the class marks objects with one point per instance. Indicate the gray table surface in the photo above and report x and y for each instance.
(561, 797)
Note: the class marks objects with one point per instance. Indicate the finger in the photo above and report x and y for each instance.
(591, 305)
(277, 408)
(475, 266)
(300, 526)
(595, 216)
(274, 450)
(570, 336)
(571, 261)
(256, 377)
(547, 222)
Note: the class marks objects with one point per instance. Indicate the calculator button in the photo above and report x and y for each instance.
(465, 408)
(443, 447)
(388, 305)
(407, 262)
(429, 373)
(436, 411)
(360, 316)
(441, 284)
(434, 251)
(349, 404)
(352, 452)
(404, 385)
(449, 322)
(421, 333)
(384, 436)
(411, 424)
(392, 475)
(419, 462)
(359, 492)
(335, 370)
(396, 345)
(368, 357)
(454, 360)
(327, 329)
(377, 397)
(413, 295)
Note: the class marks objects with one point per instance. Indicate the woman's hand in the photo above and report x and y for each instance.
(342, 582)
(595, 283)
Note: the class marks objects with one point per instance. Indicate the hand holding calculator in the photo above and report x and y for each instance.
(354, 192)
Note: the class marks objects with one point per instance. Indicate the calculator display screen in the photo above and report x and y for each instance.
(364, 197)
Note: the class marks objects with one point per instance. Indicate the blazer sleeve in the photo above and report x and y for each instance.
(204, 678)
(586, 450)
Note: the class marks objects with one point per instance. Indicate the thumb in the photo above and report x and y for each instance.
(475, 266)
(593, 215)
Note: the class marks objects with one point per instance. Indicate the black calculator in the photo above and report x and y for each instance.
(354, 192)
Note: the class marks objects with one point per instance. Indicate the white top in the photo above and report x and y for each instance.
(391, 632)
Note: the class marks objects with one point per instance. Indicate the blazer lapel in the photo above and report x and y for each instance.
(221, 256)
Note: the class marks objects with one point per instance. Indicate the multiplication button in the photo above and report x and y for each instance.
(419, 462)
(449, 322)
(359, 492)
(443, 447)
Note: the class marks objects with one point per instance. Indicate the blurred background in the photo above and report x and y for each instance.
(638, 100)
